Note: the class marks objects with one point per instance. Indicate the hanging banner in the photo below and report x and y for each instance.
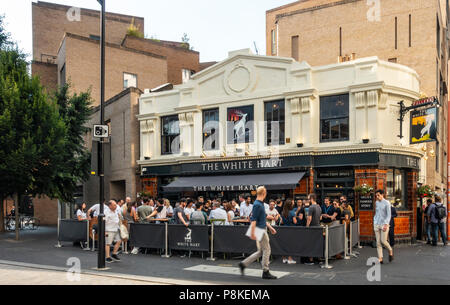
(424, 125)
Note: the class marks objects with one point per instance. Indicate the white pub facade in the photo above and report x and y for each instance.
(258, 120)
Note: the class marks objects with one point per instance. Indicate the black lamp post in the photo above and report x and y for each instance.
(101, 223)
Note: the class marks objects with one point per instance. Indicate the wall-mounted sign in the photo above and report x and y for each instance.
(240, 125)
(366, 202)
(424, 125)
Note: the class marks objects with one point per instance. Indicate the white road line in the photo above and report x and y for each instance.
(233, 271)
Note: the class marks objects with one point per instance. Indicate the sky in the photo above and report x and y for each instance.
(214, 27)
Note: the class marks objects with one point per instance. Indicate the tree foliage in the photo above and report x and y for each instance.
(75, 110)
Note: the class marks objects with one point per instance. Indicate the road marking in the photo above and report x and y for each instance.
(233, 271)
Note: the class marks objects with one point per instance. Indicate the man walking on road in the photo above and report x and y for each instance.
(112, 223)
(381, 222)
(258, 219)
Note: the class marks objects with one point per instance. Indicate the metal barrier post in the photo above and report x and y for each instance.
(212, 258)
(326, 266)
(359, 242)
(93, 239)
(351, 241)
(59, 244)
(166, 255)
(346, 242)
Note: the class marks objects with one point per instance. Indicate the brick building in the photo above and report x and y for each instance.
(66, 48)
(412, 33)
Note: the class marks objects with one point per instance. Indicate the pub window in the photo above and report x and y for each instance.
(274, 112)
(396, 188)
(334, 118)
(240, 125)
(129, 80)
(170, 132)
(211, 129)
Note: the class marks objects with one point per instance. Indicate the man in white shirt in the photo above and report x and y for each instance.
(272, 213)
(96, 209)
(218, 213)
(189, 209)
(112, 223)
(246, 209)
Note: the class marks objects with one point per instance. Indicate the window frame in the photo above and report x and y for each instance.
(267, 126)
(133, 74)
(321, 120)
(216, 131)
(404, 187)
(163, 136)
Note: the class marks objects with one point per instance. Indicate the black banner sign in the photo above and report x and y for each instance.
(298, 241)
(150, 236)
(195, 238)
(232, 239)
(366, 202)
(73, 230)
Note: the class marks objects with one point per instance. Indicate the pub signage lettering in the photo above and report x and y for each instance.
(242, 165)
(366, 202)
(225, 188)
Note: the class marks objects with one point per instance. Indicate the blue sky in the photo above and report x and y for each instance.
(213, 26)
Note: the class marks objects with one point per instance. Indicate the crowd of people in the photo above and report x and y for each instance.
(200, 211)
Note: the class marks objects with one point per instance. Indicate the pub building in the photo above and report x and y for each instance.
(255, 120)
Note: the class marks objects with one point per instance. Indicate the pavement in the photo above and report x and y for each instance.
(35, 260)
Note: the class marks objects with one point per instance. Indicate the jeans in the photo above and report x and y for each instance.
(428, 230)
(436, 227)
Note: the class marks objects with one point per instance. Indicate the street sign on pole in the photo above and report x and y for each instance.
(101, 131)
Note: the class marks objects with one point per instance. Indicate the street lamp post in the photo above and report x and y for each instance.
(101, 223)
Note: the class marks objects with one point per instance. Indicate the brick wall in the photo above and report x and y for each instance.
(177, 58)
(50, 22)
(84, 71)
(47, 73)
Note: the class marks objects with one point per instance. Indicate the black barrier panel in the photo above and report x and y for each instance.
(336, 240)
(195, 238)
(72, 230)
(355, 233)
(232, 239)
(147, 235)
(298, 241)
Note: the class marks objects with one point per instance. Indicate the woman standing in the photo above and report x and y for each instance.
(81, 212)
(230, 214)
(169, 208)
(288, 219)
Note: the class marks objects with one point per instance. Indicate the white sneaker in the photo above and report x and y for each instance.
(292, 262)
(285, 261)
(135, 251)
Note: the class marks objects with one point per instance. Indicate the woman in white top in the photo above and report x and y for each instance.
(230, 214)
(169, 208)
(81, 212)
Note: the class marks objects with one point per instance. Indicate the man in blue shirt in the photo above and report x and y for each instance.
(258, 219)
(381, 222)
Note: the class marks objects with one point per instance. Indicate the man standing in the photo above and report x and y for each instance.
(328, 213)
(259, 220)
(437, 216)
(144, 211)
(313, 218)
(112, 222)
(272, 214)
(381, 222)
(246, 209)
(179, 215)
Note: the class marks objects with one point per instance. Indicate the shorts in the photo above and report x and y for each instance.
(112, 237)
